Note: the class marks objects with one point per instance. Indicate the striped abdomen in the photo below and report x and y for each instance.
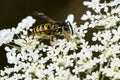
(43, 28)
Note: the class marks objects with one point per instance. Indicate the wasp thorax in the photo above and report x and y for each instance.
(62, 27)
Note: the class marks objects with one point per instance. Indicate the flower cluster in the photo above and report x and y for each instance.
(76, 59)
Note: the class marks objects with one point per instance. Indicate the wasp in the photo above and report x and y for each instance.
(52, 28)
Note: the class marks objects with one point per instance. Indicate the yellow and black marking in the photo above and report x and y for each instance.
(43, 29)
(52, 28)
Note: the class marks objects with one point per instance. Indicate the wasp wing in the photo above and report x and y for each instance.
(42, 15)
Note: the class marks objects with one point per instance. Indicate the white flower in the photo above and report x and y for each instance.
(105, 6)
(81, 31)
(25, 24)
(115, 63)
(108, 21)
(6, 36)
(87, 16)
(11, 55)
(114, 2)
(108, 71)
(106, 37)
(42, 47)
(97, 36)
(94, 4)
(40, 73)
(35, 56)
(116, 34)
(97, 48)
(92, 76)
(61, 73)
(70, 18)
(65, 61)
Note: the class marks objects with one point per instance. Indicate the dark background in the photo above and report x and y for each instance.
(13, 11)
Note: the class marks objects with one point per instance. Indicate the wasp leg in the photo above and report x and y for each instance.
(39, 37)
(67, 36)
(51, 37)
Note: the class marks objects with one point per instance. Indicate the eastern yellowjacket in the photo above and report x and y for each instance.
(52, 28)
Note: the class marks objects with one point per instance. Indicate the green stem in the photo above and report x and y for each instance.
(99, 74)
(18, 48)
(79, 76)
(102, 78)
